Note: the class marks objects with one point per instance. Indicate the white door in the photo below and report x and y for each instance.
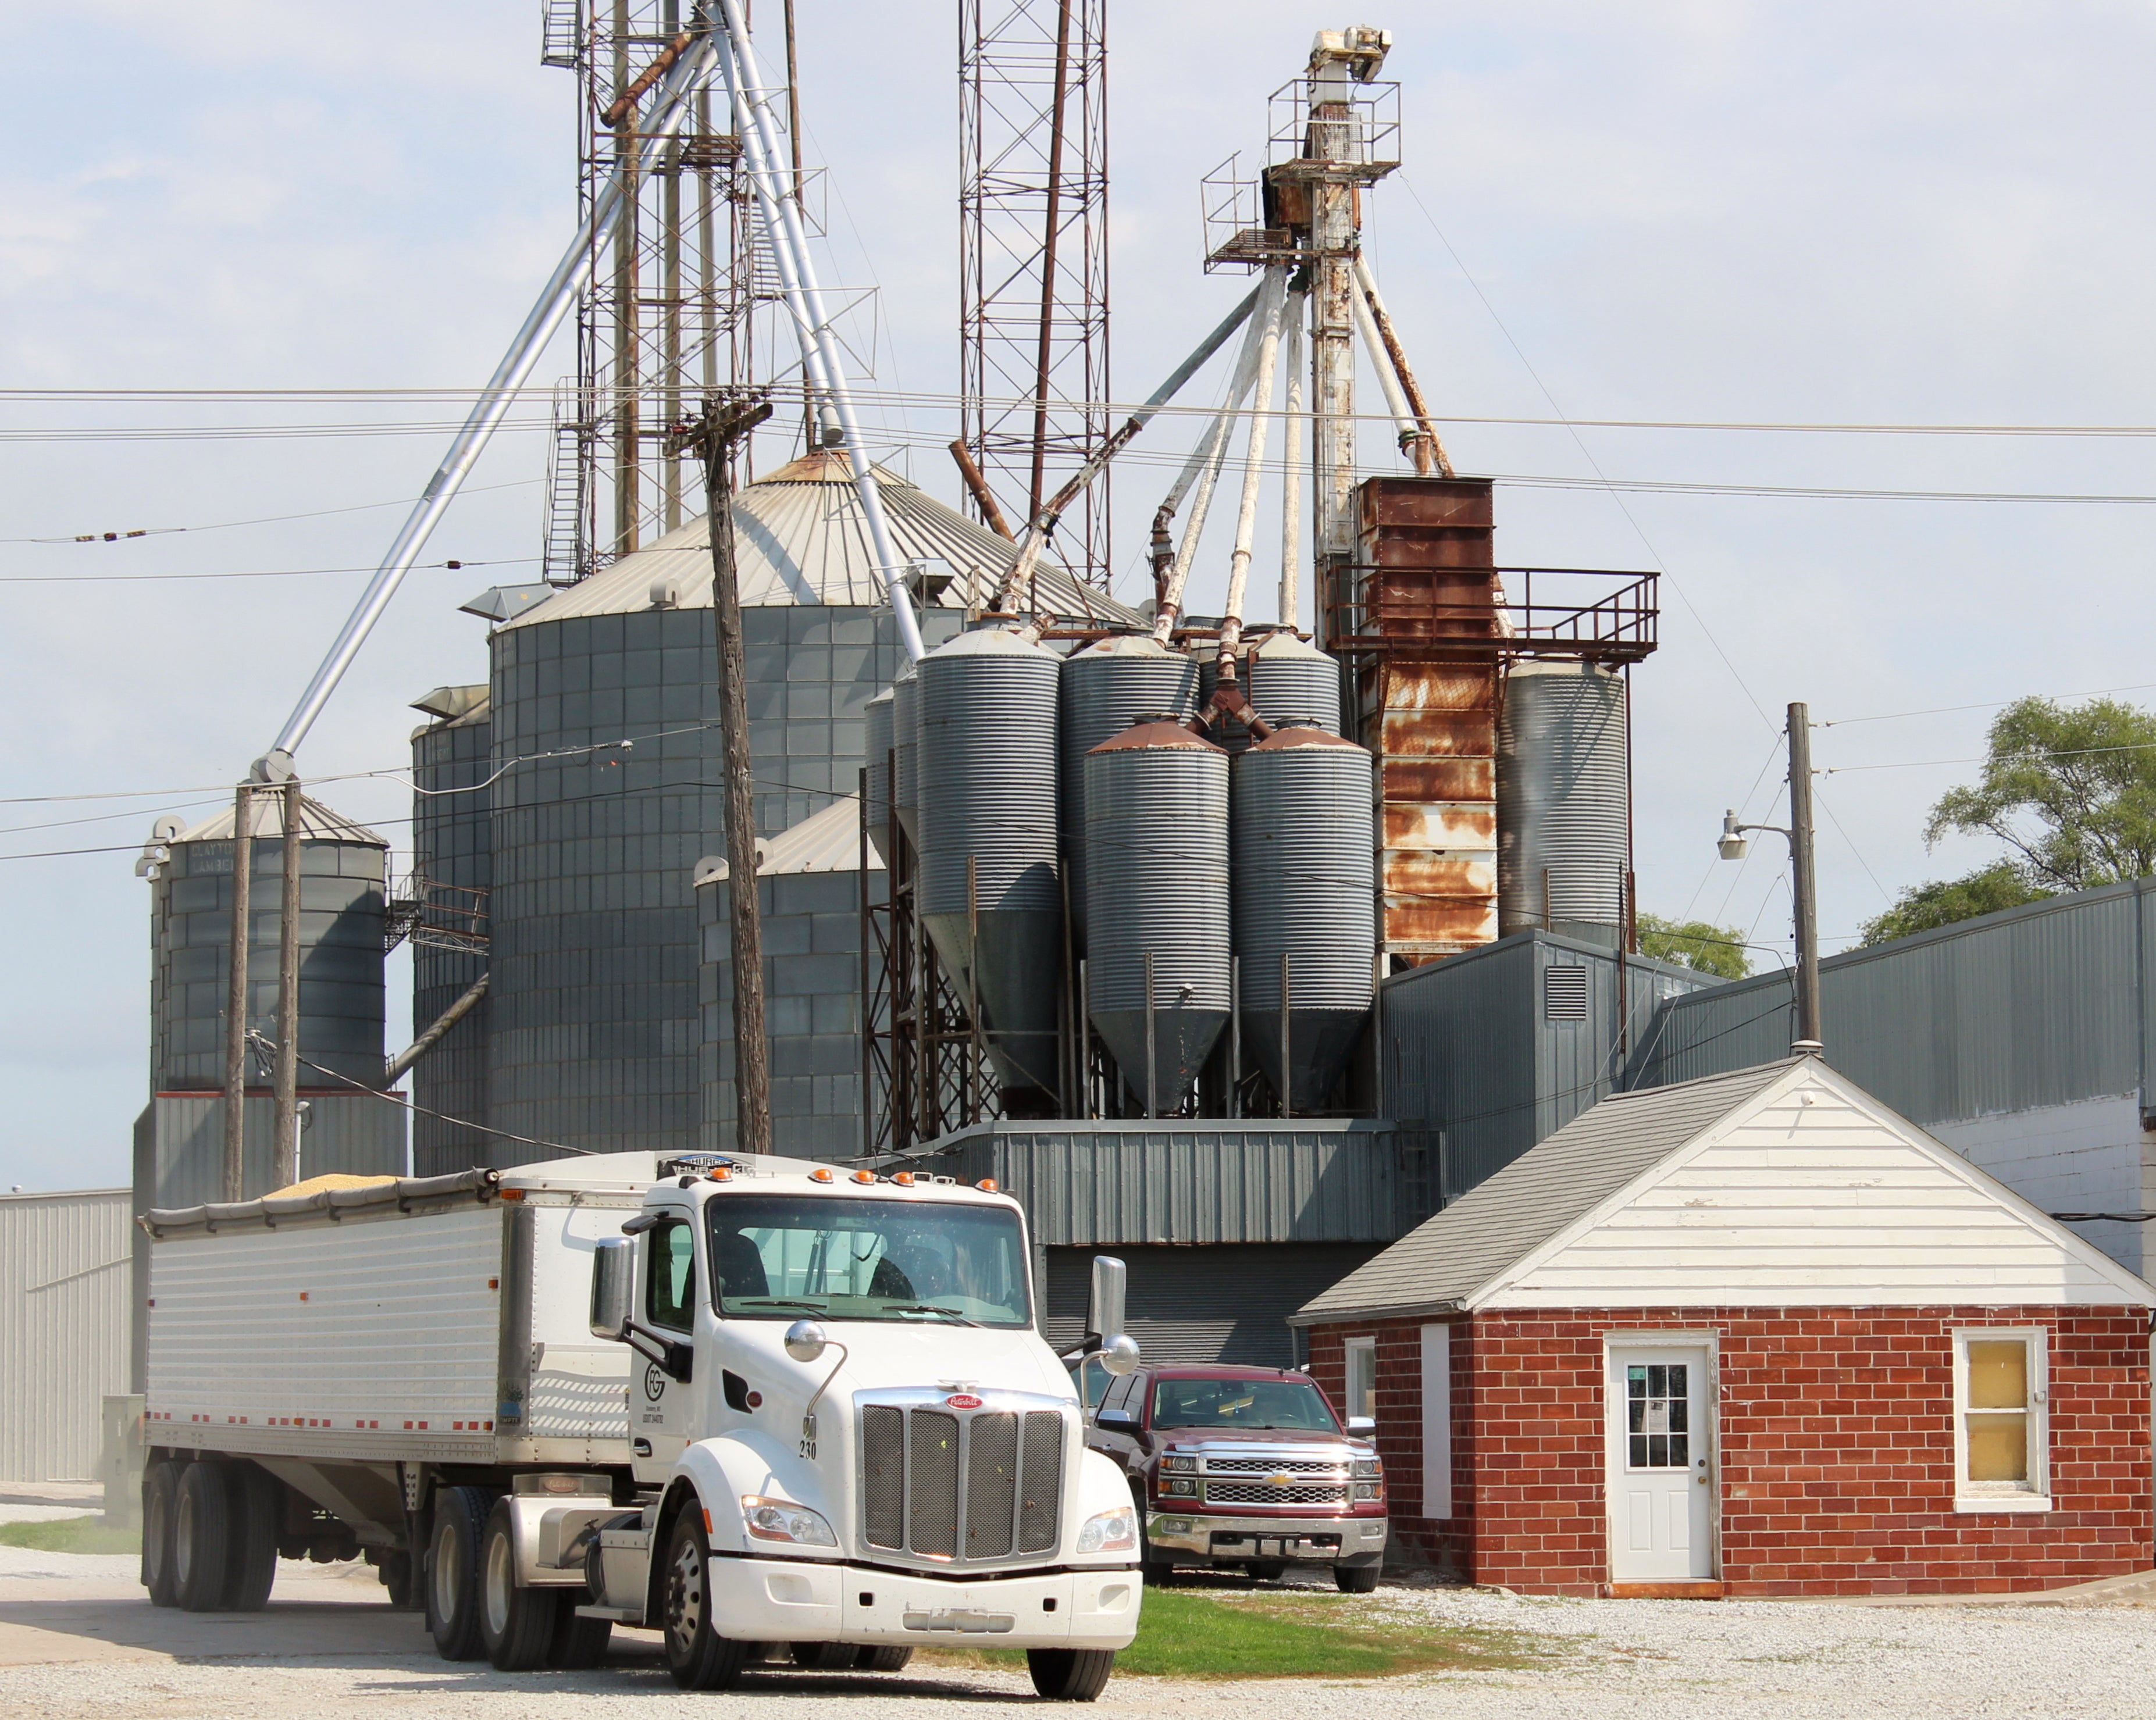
(1662, 1485)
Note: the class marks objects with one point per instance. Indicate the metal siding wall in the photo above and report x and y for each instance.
(2043, 1006)
(1217, 1304)
(595, 1037)
(453, 844)
(353, 1132)
(64, 1308)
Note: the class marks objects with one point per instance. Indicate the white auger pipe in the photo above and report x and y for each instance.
(1396, 399)
(1291, 599)
(1215, 446)
(1254, 472)
(571, 275)
(780, 207)
(1390, 356)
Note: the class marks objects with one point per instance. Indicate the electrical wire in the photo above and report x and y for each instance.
(1989, 705)
(114, 578)
(108, 537)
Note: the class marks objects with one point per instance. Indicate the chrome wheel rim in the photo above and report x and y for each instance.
(443, 1585)
(500, 1580)
(183, 1550)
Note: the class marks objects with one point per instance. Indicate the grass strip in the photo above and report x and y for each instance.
(1183, 1635)
(70, 1534)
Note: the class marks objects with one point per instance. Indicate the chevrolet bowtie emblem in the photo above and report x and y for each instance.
(1281, 1480)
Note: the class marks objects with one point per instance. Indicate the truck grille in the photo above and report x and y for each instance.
(955, 1489)
(1272, 1465)
(1258, 1492)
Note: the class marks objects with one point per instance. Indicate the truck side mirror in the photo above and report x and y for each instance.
(1104, 1310)
(1119, 1355)
(613, 1281)
(1365, 1425)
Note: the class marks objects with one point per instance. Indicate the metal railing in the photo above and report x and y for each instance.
(1592, 614)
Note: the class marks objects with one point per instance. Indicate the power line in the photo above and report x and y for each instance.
(107, 537)
(1989, 705)
(111, 579)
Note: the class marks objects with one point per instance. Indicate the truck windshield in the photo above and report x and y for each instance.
(1241, 1403)
(779, 1256)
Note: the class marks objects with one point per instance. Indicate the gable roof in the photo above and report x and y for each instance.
(1624, 1174)
(829, 840)
(1541, 1193)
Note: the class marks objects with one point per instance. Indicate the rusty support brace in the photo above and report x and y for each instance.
(976, 486)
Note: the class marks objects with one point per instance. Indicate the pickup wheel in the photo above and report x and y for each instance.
(882, 1660)
(1267, 1570)
(1155, 1569)
(516, 1623)
(203, 1522)
(452, 1571)
(1069, 1675)
(160, 1496)
(257, 1499)
(697, 1657)
(1357, 1578)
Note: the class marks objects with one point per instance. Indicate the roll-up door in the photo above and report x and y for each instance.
(1226, 1303)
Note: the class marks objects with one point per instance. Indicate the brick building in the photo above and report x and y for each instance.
(1752, 1335)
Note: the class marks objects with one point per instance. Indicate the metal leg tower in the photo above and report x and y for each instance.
(1033, 257)
(669, 313)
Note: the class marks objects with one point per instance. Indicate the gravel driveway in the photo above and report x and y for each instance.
(76, 1639)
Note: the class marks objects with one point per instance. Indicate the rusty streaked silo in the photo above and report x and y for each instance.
(1562, 795)
(1304, 891)
(905, 744)
(986, 722)
(876, 717)
(1107, 687)
(1157, 887)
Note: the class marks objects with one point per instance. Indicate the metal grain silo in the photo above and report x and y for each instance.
(1306, 884)
(1286, 681)
(1563, 798)
(343, 870)
(452, 864)
(877, 713)
(989, 889)
(1107, 687)
(1156, 888)
(906, 750)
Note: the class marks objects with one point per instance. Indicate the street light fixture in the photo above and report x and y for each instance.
(1732, 846)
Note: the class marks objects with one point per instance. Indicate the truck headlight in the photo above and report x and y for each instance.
(1370, 1490)
(1108, 1532)
(1179, 1487)
(1368, 1468)
(1187, 1465)
(784, 1520)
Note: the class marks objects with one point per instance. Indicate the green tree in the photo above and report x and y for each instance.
(2071, 791)
(1695, 943)
(1922, 907)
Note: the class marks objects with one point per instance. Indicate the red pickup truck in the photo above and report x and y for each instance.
(1245, 1467)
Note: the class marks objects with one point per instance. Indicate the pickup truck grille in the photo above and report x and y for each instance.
(953, 1488)
(1272, 1465)
(1259, 1492)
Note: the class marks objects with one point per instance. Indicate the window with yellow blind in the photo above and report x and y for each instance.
(2001, 1432)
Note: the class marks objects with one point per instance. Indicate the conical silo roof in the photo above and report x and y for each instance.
(800, 539)
(266, 819)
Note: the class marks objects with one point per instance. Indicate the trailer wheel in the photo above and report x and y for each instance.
(578, 1644)
(822, 1656)
(452, 1574)
(883, 1660)
(160, 1486)
(202, 1524)
(515, 1622)
(395, 1576)
(1069, 1675)
(258, 1507)
(697, 1657)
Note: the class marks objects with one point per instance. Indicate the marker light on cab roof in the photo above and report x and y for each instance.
(821, 1174)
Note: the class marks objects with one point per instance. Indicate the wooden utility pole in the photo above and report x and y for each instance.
(1805, 877)
(712, 436)
(235, 997)
(285, 1110)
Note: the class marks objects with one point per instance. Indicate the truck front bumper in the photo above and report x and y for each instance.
(798, 1600)
(1239, 1540)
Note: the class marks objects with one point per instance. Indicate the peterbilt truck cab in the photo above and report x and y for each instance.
(845, 1428)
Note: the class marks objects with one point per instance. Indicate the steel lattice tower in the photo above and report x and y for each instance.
(669, 313)
(1033, 257)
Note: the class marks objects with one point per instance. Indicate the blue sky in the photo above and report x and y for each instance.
(1829, 213)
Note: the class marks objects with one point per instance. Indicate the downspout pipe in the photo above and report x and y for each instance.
(404, 1059)
(570, 277)
(781, 211)
(1254, 472)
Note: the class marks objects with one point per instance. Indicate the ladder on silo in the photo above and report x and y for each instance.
(562, 561)
(561, 33)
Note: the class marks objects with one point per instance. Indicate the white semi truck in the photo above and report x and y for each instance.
(767, 1407)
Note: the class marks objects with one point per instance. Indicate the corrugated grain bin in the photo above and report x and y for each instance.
(1562, 812)
(1107, 687)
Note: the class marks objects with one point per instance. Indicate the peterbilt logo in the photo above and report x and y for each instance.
(655, 1381)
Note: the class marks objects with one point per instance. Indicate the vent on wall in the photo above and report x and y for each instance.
(1564, 994)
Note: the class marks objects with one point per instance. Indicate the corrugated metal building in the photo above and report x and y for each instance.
(64, 1328)
(1494, 1050)
(2021, 1039)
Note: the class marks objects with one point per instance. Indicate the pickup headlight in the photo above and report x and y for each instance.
(1370, 1490)
(1108, 1532)
(784, 1520)
(1178, 1487)
(1188, 1465)
(1368, 1468)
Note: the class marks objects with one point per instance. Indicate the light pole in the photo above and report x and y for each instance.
(1804, 877)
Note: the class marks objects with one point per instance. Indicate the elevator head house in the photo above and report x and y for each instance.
(1752, 1334)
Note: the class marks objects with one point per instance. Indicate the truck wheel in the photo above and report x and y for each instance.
(1069, 1675)
(452, 1571)
(578, 1644)
(395, 1576)
(882, 1660)
(160, 1485)
(258, 1509)
(202, 1538)
(697, 1657)
(1357, 1578)
(515, 1623)
(822, 1656)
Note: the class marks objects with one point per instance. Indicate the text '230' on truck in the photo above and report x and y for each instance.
(765, 1407)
